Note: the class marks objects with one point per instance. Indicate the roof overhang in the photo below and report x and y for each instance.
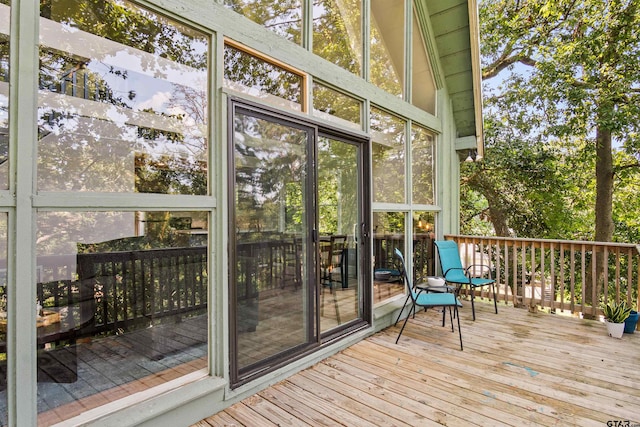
(454, 26)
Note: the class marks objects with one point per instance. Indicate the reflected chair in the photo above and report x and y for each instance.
(332, 261)
(424, 299)
(332, 270)
(292, 262)
(455, 274)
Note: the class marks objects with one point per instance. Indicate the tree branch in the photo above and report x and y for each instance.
(627, 166)
(500, 64)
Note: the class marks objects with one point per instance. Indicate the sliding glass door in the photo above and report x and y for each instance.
(339, 200)
(296, 245)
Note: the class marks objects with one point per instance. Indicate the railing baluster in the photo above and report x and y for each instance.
(572, 285)
(561, 289)
(594, 280)
(553, 282)
(629, 296)
(637, 258)
(617, 255)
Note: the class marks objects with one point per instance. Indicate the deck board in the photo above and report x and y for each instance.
(517, 368)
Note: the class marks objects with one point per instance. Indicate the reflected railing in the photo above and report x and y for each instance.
(122, 291)
(577, 277)
(423, 253)
(386, 273)
(107, 320)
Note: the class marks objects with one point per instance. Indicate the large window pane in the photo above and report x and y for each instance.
(122, 305)
(388, 136)
(424, 234)
(256, 77)
(5, 12)
(388, 235)
(283, 17)
(337, 33)
(3, 319)
(422, 165)
(423, 86)
(123, 106)
(337, 107)
(387, 45)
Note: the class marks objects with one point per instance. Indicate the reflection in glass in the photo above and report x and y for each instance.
(424, 234)
(388, 137)
(283, 17)
(337, 33)
(256, 77)
(423, 165)
(336, 106)
(122, 107)
(5, 12)
(387, 45)
(423, 86)
(122, 305)
(338, 207)
(388, 234)
(271, 299)
(3, 320)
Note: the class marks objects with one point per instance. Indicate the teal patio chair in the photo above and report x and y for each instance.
(455, 274)
(421, 298)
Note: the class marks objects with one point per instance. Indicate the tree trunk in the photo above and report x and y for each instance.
(499, 220)
(497, 215)
(604, 186)
(604, 216)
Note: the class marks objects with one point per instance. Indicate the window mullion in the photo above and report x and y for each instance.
(23, 135)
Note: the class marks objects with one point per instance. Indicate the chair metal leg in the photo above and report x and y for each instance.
(473, 308)
(455, 308)
(406, 319)
(451, 318)
(400, 314)
(495, 299)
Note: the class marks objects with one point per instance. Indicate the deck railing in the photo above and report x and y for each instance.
(572, 276)
(125, 289)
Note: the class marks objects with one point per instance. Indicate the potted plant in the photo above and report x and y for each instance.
(630, 322)
(615, 314)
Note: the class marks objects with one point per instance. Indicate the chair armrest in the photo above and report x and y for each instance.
(482, 267)
(452, 268)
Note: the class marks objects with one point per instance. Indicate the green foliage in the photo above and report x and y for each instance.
(616, 312)
(568, 74)
(525, 193)
(283, 17)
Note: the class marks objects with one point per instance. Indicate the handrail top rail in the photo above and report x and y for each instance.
(567, 242)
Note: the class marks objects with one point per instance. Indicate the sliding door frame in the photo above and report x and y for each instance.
(315, 340)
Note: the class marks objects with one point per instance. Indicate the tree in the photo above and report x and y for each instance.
(582, 63)
(523, 191)
(572, 76)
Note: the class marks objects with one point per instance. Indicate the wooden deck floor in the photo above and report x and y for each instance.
(517, 368)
